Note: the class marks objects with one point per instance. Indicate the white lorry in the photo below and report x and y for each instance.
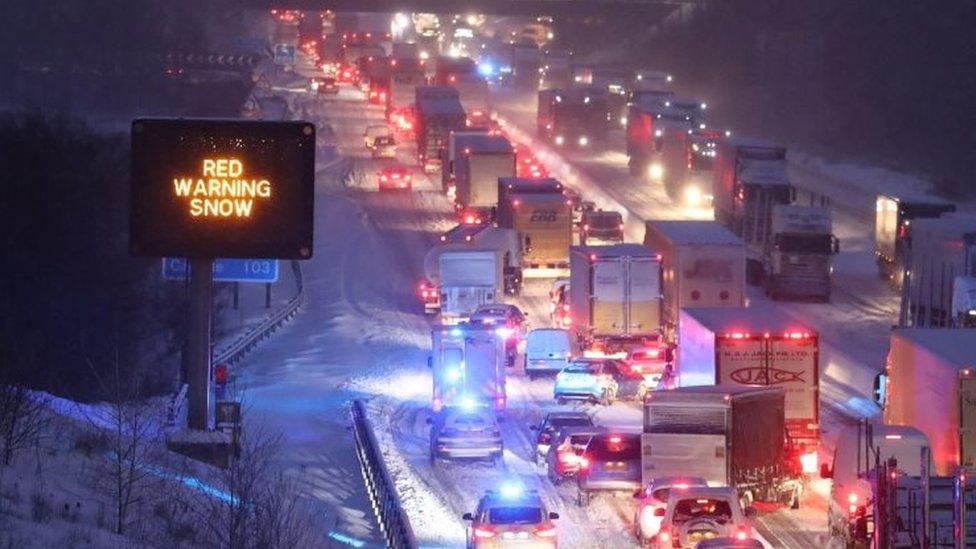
(756, 346)
(615, 292)
(476, 271)
(729, 436)
(467, 361)
(884, 492)
(893, 217)
(798, 256)
(703, 265)
(930, 384)
(447, 162)
(940, 265)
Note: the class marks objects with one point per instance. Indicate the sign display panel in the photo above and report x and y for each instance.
(213, 188)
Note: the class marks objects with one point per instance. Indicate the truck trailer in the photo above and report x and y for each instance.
(615, 292)
(728, 435)
(748, 180)
(467, 361)
(893, 217)
(647, 119)
(687, 162)
(756, 346)
(478, 161)
(939, 268)
(438, 112)
(703, 265)
(481, 268)
(543, 217)
(930, 384)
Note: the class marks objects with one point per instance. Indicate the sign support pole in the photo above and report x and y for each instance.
(198, 345)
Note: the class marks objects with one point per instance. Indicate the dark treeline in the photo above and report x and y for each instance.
(879, 82)
(108, 57)
(73, 301)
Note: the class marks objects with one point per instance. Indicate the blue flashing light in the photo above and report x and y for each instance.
(467, 403)
(511, 490)
(453, 374)
(457, 332)
(486, 69)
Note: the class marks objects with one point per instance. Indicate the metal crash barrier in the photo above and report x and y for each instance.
(382, 492)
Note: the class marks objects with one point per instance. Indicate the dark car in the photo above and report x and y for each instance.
(465, 432)
(326, 85)
(565, 456)
(611, 463)
(552, 423)
(601, 227)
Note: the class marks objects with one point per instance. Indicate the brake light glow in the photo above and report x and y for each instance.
(546, 532)
(615, 440)
(796, 335)
(741, 534)
(737, 335)
(664, 536)
(482, 532)
(583, 462)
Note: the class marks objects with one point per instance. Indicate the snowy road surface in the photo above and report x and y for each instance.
(361, 335)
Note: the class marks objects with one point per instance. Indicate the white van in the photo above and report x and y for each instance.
(548, 350)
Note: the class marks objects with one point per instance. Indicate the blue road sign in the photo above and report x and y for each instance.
(227, 270)
(284, 54)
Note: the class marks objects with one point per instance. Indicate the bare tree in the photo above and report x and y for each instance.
(252, 504)
(130, 423)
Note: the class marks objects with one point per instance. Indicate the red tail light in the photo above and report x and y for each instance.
(584, 463)
(484, 532)
(546, 531)
(741, 534)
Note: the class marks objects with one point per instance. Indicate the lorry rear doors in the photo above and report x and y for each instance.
(626, 295)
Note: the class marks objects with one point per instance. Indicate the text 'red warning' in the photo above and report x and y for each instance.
(222, 190)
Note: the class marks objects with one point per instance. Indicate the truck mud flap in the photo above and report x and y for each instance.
(545, 270)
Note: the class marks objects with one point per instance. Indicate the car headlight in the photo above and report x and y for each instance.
(583, 141)
(693, 195)
(656, 171)
(559, 140)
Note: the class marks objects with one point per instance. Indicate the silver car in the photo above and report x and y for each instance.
(465, 432)
(610, 463)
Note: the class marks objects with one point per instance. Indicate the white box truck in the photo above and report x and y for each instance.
(940, 252)
(728, 435)
(474, 272)
(615, 292)
(447, 173)
(893, 217)
(930, 384)
(703, 265)
(467, 361)
(756, 346)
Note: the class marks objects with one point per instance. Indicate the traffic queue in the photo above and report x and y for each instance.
(729, 390)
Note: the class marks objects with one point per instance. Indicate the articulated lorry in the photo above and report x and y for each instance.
(615, 293)
(687, 161)
(438, 112)
(729, 436)
(703, 265)
(574, 117)
(647, 121)
(798, 256)
(929, 383)
(756, 346)
(467, 363)
(482, 269)
(893, 218)
(939, 288)
(885, 494)
(543, 217)
(478, 161)
(406, 75)
(750, 182)
(526, 62)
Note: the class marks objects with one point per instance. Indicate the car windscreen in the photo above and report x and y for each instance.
(583, 368)
(615, 448)
(383, 140)
(718, 510)
(515, 515)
